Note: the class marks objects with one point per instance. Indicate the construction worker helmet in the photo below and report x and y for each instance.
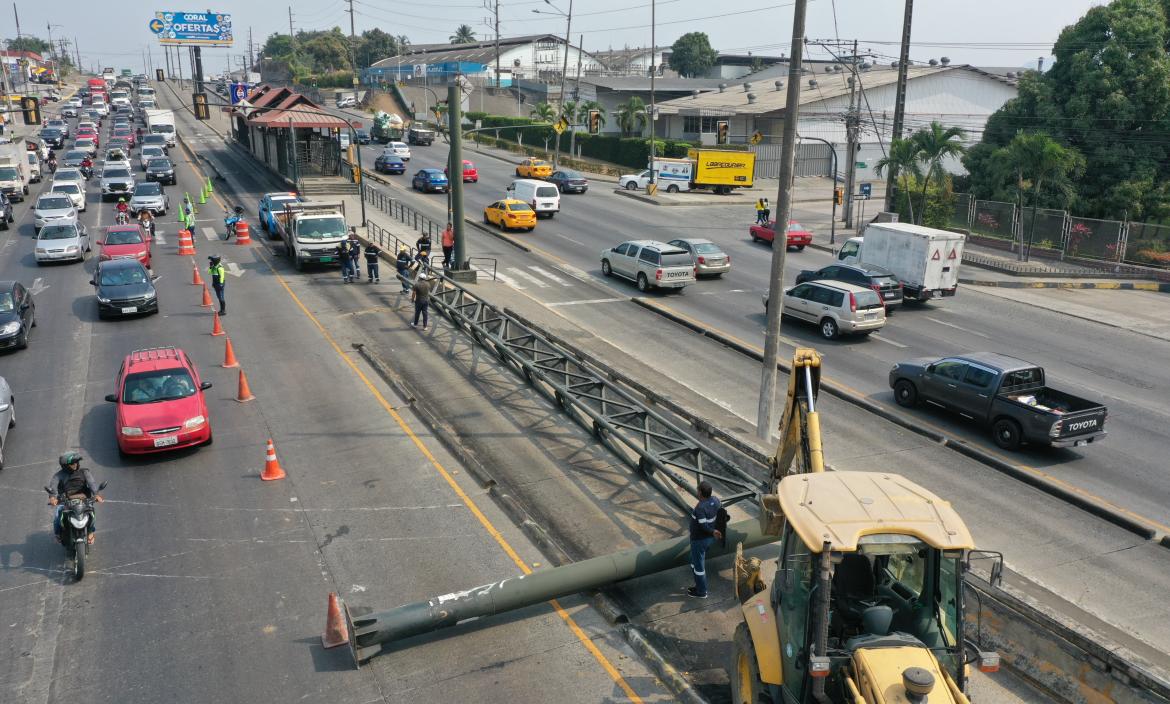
(69, 458)
(214, 259)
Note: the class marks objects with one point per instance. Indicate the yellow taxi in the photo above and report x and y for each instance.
(534, 168)
(510, 214)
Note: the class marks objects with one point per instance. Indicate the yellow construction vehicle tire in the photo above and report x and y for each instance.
(746, 687)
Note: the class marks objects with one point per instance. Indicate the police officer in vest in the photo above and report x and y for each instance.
(218, 280)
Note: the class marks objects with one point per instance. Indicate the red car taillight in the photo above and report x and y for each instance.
(702, 260)
(876, 289)
(852, 303)
(658, 275)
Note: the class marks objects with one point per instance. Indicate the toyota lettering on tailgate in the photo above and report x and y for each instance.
(1082, 425)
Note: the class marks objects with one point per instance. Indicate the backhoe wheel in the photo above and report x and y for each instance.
(746, 687)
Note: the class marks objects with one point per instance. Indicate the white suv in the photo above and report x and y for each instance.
(835, 307)
(649, 264)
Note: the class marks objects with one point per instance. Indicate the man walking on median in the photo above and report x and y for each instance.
(372, 253)
(402, 264)
(703, 533)
(448, 246)
(421, 295)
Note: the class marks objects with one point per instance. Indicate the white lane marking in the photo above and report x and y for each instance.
(879, 338)
(548, 274)
(576, 242)
(517, 271)
(591, 300)
(210, 233)
(957, 327)
(234, 269)
(160, 237)
(502, 278)
(38, 285)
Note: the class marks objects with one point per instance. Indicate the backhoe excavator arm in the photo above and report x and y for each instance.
(799, 450)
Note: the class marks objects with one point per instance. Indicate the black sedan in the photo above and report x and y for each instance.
(882, 281)
(568, 181)
(161, 170)
(17, 315)
(389, 164)
(54, 137)
(124, 287)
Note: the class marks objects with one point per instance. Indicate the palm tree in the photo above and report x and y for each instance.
(936, 143)
(569, 110)
(1035, 160)
(464, 34)
(902, 161)
(631, 115)
(584, 108)
(543, 112)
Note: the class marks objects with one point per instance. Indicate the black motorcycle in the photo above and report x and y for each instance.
(76, 517)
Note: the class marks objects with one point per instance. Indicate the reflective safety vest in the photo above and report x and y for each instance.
(217, 274)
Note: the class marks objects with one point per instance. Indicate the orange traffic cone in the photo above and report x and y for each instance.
(186, 243)
(206, 297)
(244, 393)
(216, 327)
(272, 468)
(196, 279)
(243, 234)
(335, 631)
(229, 355)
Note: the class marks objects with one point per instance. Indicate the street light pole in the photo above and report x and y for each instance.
(833, 178)
(653, 70)
(564, 70)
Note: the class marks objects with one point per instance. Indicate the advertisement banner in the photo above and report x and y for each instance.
(195, 28)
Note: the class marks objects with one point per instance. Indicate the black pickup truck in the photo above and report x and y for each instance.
(1005, 393)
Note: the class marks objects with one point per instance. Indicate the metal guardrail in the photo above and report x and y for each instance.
(643, 438)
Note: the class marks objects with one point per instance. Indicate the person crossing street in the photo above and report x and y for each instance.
(218, 280)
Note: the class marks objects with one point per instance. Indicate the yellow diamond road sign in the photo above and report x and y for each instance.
(561, 125)
(757, 138)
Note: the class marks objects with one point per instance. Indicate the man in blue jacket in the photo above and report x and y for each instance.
(703, 533)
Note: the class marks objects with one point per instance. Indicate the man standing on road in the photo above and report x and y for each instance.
(402, 264)
(218, 280)
(347, 272)
(703, 533)
(372, 254)
(355, 253)
(448, 246)
(421, 295)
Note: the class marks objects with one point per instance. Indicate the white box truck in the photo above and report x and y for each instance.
(162, 122)
(674, 175)
(924, 259)
(13, 171)
(311, 231)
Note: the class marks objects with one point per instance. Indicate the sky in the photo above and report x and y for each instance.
(985, 33)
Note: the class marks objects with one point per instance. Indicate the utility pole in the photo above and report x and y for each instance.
(20, 67)
(765, 422)
(77, 51)
(900, 98)
(852, 130)
(53, 52)
(248, 67)
(292, 38)
(653, 108)
(167, 60)
(353, 48)
(576, 97)
(564, 71)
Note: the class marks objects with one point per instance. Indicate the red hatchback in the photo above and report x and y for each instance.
(91, 133)
(160, 402)
(470, 173)
(798, 237)
(125, 242)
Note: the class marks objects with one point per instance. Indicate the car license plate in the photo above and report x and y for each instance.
(889, 294)
(870, 316)
(130, 309)
(167, 441)
(326, 259)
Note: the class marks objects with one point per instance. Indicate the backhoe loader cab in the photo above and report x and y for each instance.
(867, 601)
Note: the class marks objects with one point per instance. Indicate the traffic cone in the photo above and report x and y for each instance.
(202, 197)
(196, 279)
(243, 232)
(210, 188)
(216, 327)
(335, 631)
(244, 394)
(206, 297)
(272, 468)
(229, 355)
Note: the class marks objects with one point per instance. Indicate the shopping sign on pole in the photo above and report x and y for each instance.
(195, 28)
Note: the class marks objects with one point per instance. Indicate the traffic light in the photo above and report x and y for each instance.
(201, 109)
(721, 132)
(32, 110)
(838, 196)
(594, 122)
(159, 75)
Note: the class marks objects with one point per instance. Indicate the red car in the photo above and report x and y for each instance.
(798, 237)
(126, 133)
(91, 133)
(125, 242)
(160, 402)
(470, 173)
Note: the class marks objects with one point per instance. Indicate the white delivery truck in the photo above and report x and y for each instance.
(674, 175)
(162, 122)
(311, 231)
(924, 259)
(13, 171)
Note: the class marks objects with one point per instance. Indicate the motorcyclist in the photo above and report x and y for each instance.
(52, 162)
(123, 211)
(72, 481)
(87, 167)
(146, 221)
(229, 223)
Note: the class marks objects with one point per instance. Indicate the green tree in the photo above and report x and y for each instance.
(631, 116)
(375, 45)
(543, 112)
(902, 161)
(934, 144)
(691, 54)
(1035, 161)
(464, 34)
(29, 43)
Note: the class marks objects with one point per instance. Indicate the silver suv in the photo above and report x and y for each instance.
(836, 307)
(149, 196)
(117, 181)
(650, 264)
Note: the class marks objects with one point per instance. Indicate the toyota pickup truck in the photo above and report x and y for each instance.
(1006, 394)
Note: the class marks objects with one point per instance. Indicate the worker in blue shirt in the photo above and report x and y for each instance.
(703, 533)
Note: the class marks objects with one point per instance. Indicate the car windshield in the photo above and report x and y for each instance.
(116, 173)
(676, 259)
(58, 232)
(148, 189)
(123, 237)
(52, 132)
(8, 173)
(83, 142)
(6, 304)
(519, 207)
(54, 203)
(65, 187)
(159, 385)
(162, 128)
(320, 228)
(123, 276)
(707, 248)
(151, 151)
(158, 164)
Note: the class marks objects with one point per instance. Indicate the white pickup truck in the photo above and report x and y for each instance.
(312, 231)
(924, 259)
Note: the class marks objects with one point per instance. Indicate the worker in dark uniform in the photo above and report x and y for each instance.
(218, 280)
(372, 253)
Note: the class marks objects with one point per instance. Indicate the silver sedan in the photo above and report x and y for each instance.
(7, 415)
(62, 242)
(709, 259)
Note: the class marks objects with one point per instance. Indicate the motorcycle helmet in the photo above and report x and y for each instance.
(121, 200)
(69, 458)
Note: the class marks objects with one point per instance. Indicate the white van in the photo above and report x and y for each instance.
(544, 197)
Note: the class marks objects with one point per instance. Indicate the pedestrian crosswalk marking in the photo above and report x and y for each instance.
(210, 233)
(517, 271)
(550, 275)
(501, 277)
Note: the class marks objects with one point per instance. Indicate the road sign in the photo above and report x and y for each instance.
(561, 125)
(861, 165)
(195, 28)
(867, 189)
(238, 92)
(757, 137)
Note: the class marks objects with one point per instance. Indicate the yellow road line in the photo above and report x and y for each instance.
(1072, 488)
